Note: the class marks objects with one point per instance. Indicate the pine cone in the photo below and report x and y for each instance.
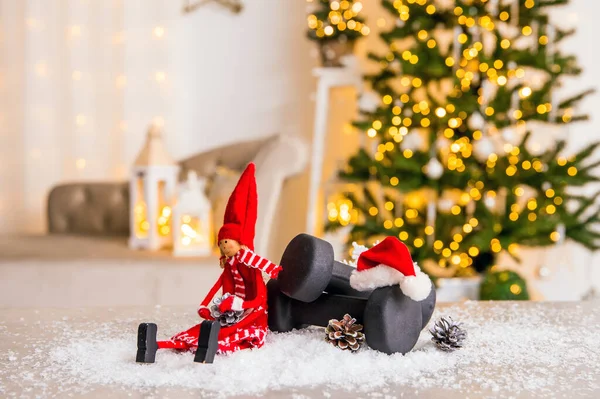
(345, 334)
(448, 335)
(228, 318)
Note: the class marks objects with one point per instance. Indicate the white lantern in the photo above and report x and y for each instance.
(151, 195)
(192, 226)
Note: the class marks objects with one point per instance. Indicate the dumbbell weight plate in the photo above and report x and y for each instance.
(307, 268)
(427, 306)
(392, 321)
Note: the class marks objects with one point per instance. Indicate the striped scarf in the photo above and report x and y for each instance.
(250, 259)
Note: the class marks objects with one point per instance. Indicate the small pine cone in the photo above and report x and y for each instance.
(345, 333)
(228, 318)
(447, 334)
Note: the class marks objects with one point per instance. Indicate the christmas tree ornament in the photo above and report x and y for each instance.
(554, 103)
(445, 205)
(442, 143)
(328, 52)
(476, 121)
(369, 102)
(515, 8)
(152, 194)
(544, 272)
(483, 148)
(448, 199)
(192, 219)
(241, 281)
(503, 285)
(447, 334)
(551, 35)
(297, 298)
(345, 334)
(535, 29)
(515, 103)
(509, 135)
(396, 66)
(487, 92)
(444, 42)
(490, 202)
(431, 217)
(493, 7)
(412, 141)
(434, 169)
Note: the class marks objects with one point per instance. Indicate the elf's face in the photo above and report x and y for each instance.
(229, 247)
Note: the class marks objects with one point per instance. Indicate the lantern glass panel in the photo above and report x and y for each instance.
(192, 231)
(163, 221)
(142, 226)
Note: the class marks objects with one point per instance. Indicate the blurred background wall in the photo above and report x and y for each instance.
(81, 80)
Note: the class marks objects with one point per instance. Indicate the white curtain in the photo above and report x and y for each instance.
(80, 80)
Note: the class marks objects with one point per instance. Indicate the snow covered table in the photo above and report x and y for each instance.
(513, 350)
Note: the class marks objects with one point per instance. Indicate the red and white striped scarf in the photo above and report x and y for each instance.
(239, 288)
(250, 259)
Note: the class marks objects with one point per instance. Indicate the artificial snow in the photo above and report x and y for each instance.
(511, 350)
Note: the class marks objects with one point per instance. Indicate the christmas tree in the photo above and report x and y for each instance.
(449, 164)
(335, 25)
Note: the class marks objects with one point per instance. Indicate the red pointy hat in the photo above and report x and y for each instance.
(389, 263)
(240, 214)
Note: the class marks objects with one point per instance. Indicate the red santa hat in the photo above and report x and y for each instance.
(389, 263)
(240, 214)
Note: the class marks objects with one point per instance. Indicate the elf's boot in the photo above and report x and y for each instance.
(146, 343)
(208, 341)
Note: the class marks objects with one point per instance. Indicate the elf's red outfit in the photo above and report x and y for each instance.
(241, 277)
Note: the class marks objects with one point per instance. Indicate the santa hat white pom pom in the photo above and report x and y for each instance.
(416, 287)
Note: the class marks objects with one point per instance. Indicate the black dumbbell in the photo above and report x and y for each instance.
(392, 321)
(309, 268)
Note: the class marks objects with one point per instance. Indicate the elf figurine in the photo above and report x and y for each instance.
(242, 310)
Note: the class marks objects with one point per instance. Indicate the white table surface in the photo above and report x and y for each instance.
(570, 369)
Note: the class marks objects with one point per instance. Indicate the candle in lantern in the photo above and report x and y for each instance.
(192, 219)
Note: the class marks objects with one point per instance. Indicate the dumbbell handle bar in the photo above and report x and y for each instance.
(340, 281)
(318, 313)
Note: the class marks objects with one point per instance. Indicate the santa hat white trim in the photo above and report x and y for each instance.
(415, 287)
